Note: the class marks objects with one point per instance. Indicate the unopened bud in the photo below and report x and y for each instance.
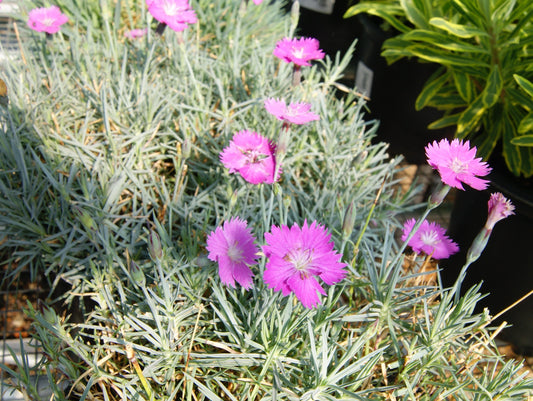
(186, 148)
(478, 245)
(438, 196)
(154, 246)
(86, 220)
(136, 274)
(349, 220)
(233, 199)
(295, 15)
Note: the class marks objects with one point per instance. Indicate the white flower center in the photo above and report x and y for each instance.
(235, 252)
(458, 166)
(171, 8)
(48, 21)
(298, 52)
(253, 156)
(430, 238)
(300, 258)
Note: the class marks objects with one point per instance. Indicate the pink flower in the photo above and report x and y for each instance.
(177, 14)
(457, 164)
(233, 248)
(252, 156)
(296, 113)
(135, 33)
(499, 208)
(257, 2)
(296, 257)
(298, 51)
(46, 19)
(430, 239)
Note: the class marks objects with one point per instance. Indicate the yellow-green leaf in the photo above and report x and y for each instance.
(464, 85)
(414, 14)
(461, 31)
(430, 89)
(511, 152)
(524, 140)
(526, 125)
(446, 121)
(470, 117)
(493, 88)
(524, 84)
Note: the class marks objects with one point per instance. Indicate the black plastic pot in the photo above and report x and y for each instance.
(392, 89)
(506, 265)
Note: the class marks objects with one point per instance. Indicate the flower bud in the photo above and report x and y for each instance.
(154, 246)
(349, 220)
(438, 196)
(86, 220)
(136, 274)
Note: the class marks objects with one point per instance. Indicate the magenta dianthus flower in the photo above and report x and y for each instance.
(232, 247)
(457, 163)
(257, 2)
(298, 51)
(430, 239)
(297, 257)
(177, 14)
(46, 19)
(135, 33)
(296, 113)
(252, 156)
(499, 208)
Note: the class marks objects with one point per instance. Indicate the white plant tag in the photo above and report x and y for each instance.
(363, 79)
(320, 6)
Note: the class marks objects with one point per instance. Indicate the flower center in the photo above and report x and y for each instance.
(235, 252)
(254, 156)
(171, 8)
(300, 258)
(430, 238)
(298, 52)
(458, 166)
(48, 21)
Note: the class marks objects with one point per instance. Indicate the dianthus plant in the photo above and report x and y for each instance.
(225, 233)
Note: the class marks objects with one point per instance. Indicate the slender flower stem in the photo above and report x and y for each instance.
(396, 265)
(374, 204)
(296, 75)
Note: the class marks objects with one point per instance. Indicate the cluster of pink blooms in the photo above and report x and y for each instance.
(297, 257)
(252, 155)
(457, 164)
(176, 14)
(46, 19)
